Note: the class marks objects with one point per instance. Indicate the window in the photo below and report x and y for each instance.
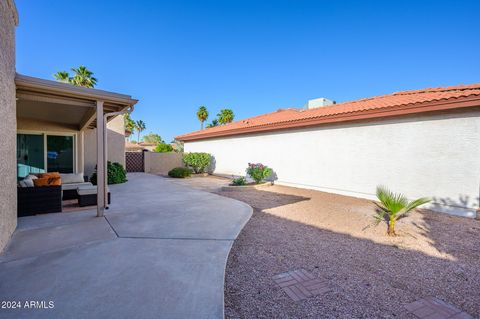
(37, 153)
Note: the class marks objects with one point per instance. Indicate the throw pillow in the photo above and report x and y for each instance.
(42, 181)
(50, 174)
(54, 181)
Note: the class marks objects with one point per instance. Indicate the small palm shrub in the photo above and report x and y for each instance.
(240, 181)
(180, 172)
(163, 148)
(394, 206)
(197, 161)
(116, 174)
(258, 171)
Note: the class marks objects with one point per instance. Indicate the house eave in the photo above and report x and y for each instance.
(32, 84)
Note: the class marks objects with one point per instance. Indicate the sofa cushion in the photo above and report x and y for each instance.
(86, 190)
(72, 178)
(71, 186)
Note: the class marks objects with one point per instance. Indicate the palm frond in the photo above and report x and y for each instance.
(415, 203)
(391, 202)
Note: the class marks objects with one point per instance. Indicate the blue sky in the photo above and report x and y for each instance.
(251, 56)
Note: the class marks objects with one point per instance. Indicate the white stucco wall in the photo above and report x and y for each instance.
(8, 160)
(436, 156)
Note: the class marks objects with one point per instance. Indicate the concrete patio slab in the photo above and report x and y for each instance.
(210, 218)
(38, 241)
(124, 278)
(160, 252)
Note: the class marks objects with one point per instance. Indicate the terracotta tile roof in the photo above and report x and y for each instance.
(399, 103)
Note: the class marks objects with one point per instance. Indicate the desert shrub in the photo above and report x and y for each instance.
(180, 172)
(394, 206)
(116, 174)
(163, 148)
(239, 181)
(197, 161)
(258, 171)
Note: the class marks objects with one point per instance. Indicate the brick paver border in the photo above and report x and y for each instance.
(300, 284)
(434, 308)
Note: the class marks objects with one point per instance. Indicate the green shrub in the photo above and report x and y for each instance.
(240, 181)
(258, 171)
(180, 172)
(163, 148)
(116, 174)
(197, 161)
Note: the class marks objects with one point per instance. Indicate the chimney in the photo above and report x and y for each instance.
(315, 103)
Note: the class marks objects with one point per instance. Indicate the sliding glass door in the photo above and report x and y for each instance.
(38, 153)
(30, 154)
(60, 153)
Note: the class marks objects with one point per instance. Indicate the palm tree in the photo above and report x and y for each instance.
(83, 77)
(394, 206)
(213, 123)
(225, 116)
(129, 125)
(139, 126)
(202, 115)
(62, 76)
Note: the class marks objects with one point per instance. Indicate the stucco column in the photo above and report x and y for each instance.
(100, 160)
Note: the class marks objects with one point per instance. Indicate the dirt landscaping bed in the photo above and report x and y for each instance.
(369, 274)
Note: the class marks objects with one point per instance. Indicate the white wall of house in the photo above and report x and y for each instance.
(115, 145)
(435, 155)
(8, 180)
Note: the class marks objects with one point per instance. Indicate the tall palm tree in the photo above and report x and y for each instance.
(202, 115)
(62, 76)
(139, 126)
(225, 116)
(394, 206)
(83, 77)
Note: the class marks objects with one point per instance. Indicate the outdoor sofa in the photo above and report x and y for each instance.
(70, 183)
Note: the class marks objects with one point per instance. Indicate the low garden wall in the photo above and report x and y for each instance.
(162, 163)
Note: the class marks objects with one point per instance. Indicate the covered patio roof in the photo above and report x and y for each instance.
(74, 107)
(64, 103)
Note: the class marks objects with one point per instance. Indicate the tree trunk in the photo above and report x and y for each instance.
(391, 228)
(201, 125)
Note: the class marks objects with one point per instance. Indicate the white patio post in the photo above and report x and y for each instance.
(100, 160)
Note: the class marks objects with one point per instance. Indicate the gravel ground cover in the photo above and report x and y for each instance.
(370, 274)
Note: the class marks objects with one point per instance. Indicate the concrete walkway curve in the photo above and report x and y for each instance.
(160, 252)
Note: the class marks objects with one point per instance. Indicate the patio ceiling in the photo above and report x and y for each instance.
(64, 103)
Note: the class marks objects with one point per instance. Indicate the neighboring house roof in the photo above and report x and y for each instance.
(395, 104)
(139, 146)
(132, 147)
